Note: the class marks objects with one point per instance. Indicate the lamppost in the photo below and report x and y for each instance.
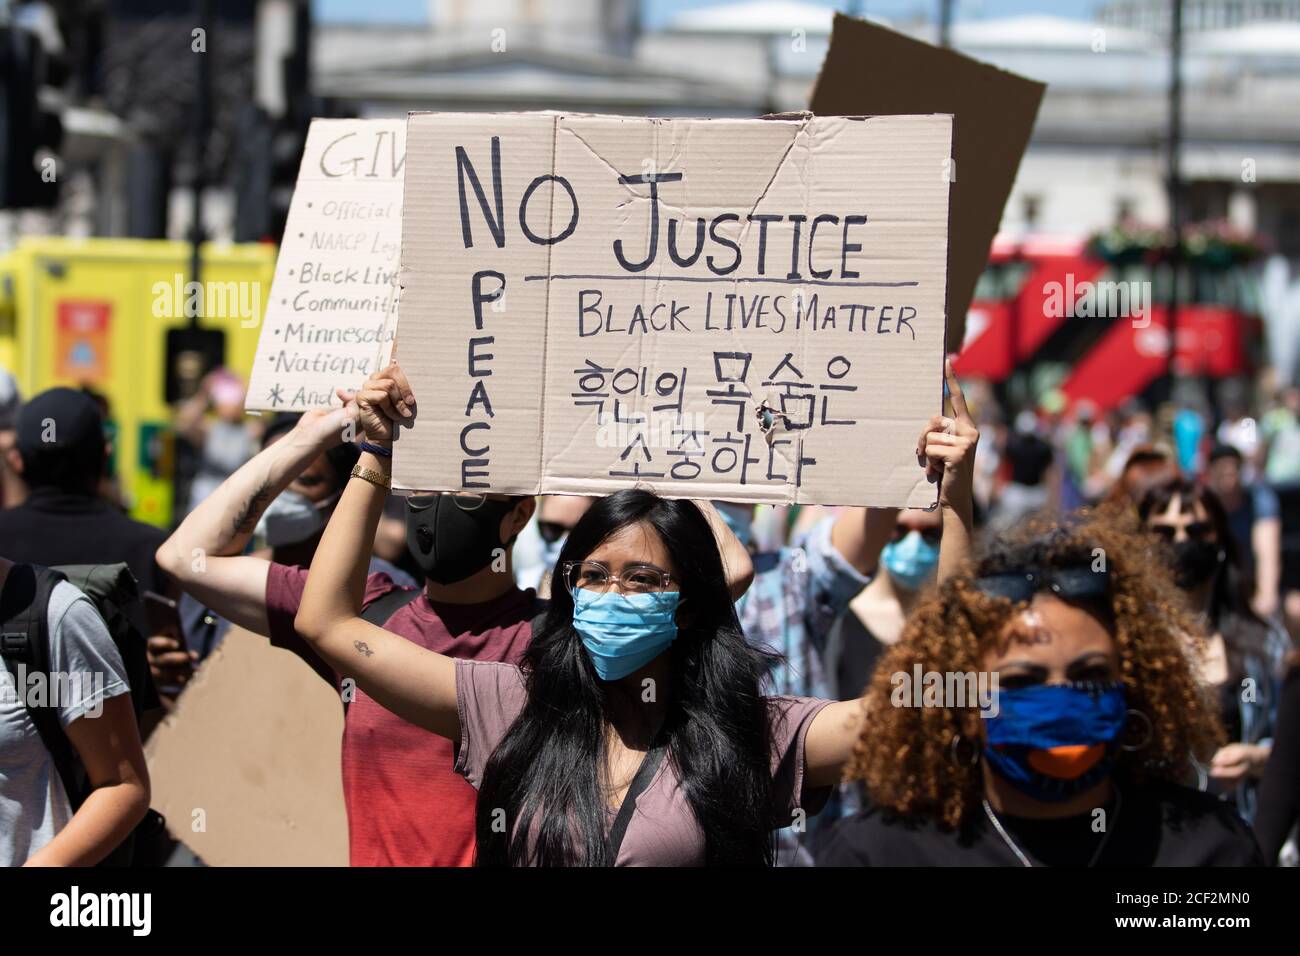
(202, 124)
(1175, 182)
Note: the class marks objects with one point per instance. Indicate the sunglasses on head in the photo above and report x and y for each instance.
(1020, 586)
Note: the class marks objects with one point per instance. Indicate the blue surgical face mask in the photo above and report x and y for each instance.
(1054, 741)
(624, 632)
(911, 561)
(740, 519)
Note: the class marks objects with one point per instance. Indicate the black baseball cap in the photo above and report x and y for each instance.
(60, 438)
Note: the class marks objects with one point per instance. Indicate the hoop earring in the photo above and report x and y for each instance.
(956, 758)
(1150, 731)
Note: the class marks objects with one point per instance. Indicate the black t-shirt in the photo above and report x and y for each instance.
(1158, 824)
(53, 528)
(860, 649)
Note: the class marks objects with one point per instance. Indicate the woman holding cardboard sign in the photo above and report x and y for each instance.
(635, 733)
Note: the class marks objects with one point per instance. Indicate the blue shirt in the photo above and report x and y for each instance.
(797, 594)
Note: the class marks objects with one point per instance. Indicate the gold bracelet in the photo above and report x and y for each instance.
(376, 478)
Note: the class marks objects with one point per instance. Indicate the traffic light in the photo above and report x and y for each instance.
(270, 147)
(265, 168)
(27, 128)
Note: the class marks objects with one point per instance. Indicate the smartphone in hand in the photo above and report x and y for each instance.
(165, 621)
(163, 616)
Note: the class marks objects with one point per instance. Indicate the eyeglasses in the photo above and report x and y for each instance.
(634, 579)
(1068, 583)
(1196, 531)
(465, 502)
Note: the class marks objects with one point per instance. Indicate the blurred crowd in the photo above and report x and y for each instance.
(1193, 627)
(1248, 456)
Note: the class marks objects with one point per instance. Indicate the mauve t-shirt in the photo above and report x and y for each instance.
(406, 806)
(663, 830)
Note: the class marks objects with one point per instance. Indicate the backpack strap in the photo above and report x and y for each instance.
(644, 774)
(25, 606)
(113, 590)
(381, 609)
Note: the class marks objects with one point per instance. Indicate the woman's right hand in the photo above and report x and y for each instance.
(326, 428)
(947, 446)
(383, 403)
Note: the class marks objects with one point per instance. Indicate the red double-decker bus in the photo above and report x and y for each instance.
(1105, 324)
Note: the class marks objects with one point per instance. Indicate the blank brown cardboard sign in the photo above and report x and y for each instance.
(745, 310)
(870, 70)
(332, 311)
(255, 745)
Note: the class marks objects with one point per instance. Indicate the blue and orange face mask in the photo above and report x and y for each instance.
(1054, 741)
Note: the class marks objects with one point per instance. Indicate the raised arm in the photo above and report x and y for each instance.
(1266, 542)
(947, 449)
(736, 561)
(205, 553)
(830, 741)
(859, 534)
(415, 684)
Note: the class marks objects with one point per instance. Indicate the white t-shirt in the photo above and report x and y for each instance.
(88, 670)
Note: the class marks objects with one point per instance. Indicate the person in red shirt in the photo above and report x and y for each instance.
(406, 805)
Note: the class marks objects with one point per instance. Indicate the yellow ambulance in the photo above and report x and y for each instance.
(124, 318)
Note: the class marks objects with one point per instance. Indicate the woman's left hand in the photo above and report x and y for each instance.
(946, 448)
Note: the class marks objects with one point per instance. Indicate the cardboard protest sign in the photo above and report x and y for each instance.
(869, 69)
(332, 310)
(247, 768)
(747, 310)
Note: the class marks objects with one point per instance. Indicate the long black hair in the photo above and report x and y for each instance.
(545, 773)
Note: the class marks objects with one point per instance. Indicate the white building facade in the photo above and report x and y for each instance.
(1098, 155)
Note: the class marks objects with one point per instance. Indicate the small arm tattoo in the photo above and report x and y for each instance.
(364, 648)
(246, 520)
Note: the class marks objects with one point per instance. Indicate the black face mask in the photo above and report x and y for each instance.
(1194, 562)
(450, 543)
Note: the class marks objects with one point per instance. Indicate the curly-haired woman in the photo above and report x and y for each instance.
(1076, 754)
